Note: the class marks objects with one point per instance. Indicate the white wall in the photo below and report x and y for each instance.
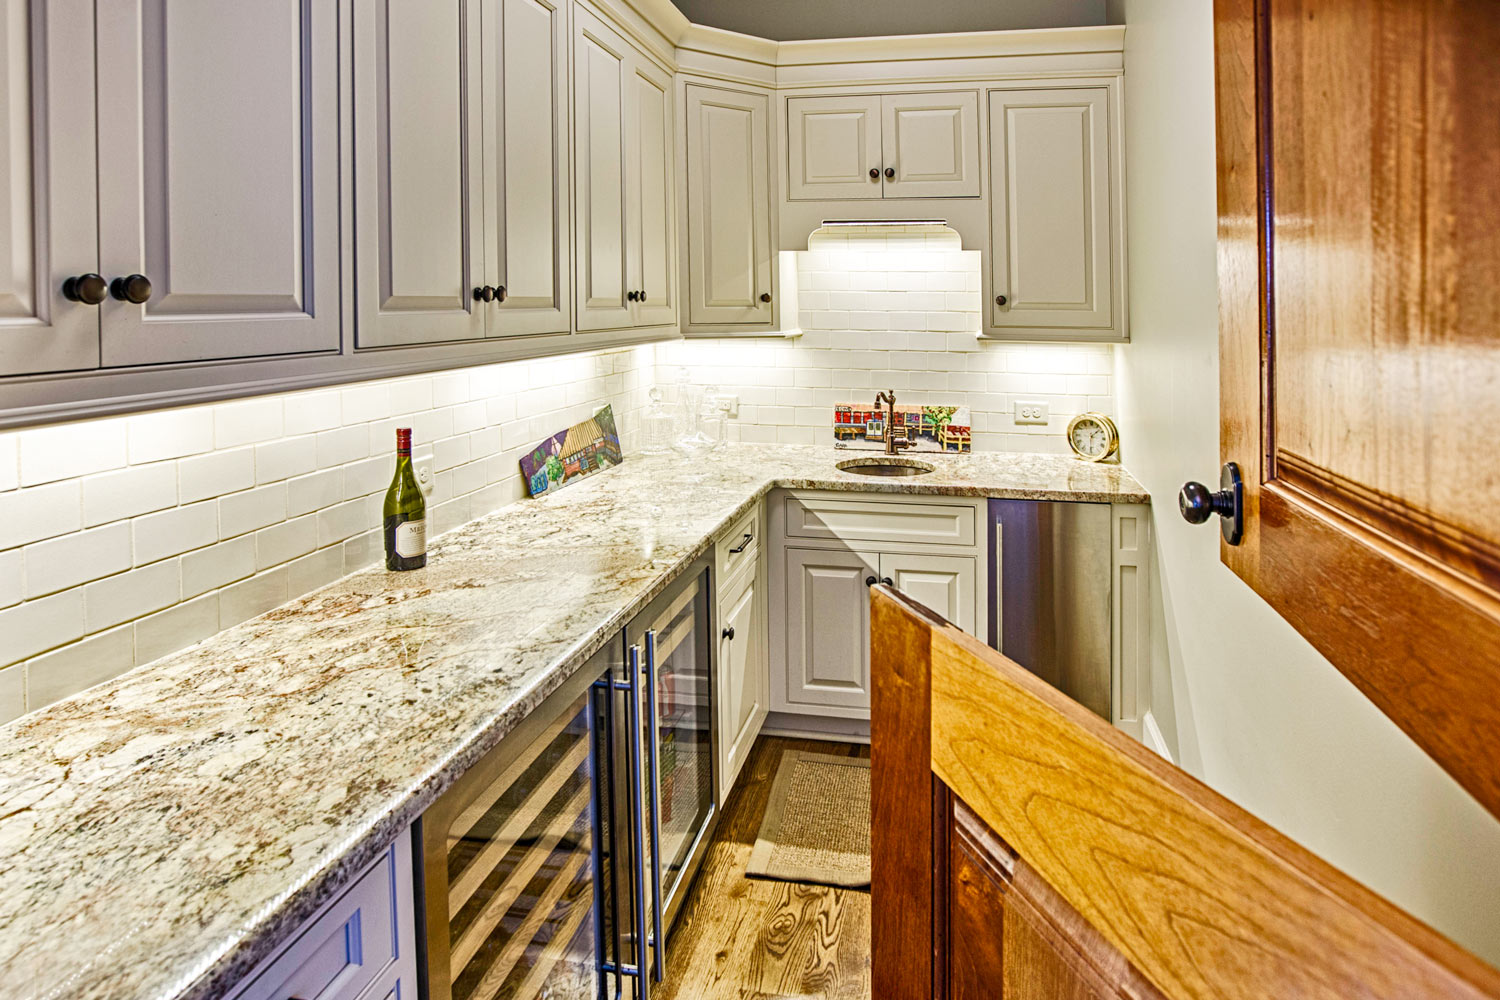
(1259, 714)
(895, 307)
(123, 539)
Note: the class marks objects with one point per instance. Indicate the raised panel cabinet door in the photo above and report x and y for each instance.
(528, 216)
(601, 72)
(418, 203)
(832, 145)
(931, 142)
(651, 217)
(728, 207)
(827, 630)
(1052, 205)
(946, 584)
(742, 680)
(218, 132)
(48, 207)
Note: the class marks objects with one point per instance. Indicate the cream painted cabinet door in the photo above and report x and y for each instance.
(946, 584)
(528, 231)
(930, 144)
(48, 211)
(832, 145)
(1052, 204)
(742, 678)
(218, 129)
(418, 203)
(728, 207)
(602, 79)
(827, 628)
(651, 216)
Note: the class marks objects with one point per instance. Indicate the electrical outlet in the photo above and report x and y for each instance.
(1031, 411)
(731, 405)
(421, 467)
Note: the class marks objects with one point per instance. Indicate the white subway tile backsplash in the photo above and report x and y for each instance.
(71, 450)
(124, 539)
(30, 515)
(69, 560)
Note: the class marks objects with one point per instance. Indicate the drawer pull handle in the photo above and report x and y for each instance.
(742, 546)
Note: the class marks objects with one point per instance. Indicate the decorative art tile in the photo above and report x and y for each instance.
(927, 428)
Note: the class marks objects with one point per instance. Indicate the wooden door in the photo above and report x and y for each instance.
(218, 128)
(742, 677)
(418, 203)
(651, 210)
(601, 70)
(729, 252)
(946, 584)
(1359, 207)
(48, 205)
(827, 631)
(1051, 206)
(832, 145)
(1022, 848)
(931, 142)
(528, 215)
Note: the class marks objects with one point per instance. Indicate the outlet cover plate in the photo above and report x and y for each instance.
(1031, 411)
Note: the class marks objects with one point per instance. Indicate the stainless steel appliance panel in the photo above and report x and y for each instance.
(1050, 571)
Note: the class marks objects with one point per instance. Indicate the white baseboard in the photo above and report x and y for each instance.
(813, 727)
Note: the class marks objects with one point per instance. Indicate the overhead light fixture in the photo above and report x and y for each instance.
(885, 222)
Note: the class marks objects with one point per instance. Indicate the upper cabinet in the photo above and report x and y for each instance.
(871, 146)
(1056, 263)
(461, 151)
(624, 179)
(729, 254)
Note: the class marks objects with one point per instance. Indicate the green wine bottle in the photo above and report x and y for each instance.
(405, 512)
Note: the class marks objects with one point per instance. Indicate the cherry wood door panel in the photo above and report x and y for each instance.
(1359, 272)
(1200, 899)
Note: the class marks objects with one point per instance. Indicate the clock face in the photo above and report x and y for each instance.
(1092, 437)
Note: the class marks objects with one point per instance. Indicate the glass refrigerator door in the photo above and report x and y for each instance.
(513, 858)
(679, 787)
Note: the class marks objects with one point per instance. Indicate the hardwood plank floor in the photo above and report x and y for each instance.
(740, 938)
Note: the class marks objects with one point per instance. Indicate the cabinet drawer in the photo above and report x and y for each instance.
(744, 536)
(348, 947)
(879, 521)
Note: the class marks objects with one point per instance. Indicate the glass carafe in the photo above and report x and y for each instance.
(658, 425)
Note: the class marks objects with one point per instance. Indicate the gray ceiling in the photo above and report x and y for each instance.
(785, 20)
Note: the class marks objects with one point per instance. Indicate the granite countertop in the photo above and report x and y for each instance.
(163, 832)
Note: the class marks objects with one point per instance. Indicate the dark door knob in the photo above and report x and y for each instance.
(484, 293)
(134, 288)
(729, 633)
(874, 173)
(1000, 300)
(500, 293)
(890, 173)
(1198, 503)
(765, 296)
(90, 289)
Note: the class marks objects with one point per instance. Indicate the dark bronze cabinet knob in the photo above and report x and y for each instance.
(484, 293)
(1000, 300)
(500, 293)
(1198, 503)
(890, 173)
(641, 295)
(134, 288)
(89, 289)
(871, 581)
(728, 633)
(887, 581)
(765, 296)
(630, 296)
(874, 173)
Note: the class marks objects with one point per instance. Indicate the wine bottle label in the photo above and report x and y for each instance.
(411, 539)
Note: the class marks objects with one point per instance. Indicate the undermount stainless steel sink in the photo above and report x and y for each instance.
(885, 466)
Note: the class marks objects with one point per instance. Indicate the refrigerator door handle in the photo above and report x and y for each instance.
(637, 817)
(653, 738)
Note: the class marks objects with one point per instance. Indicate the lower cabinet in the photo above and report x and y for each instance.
(362, 945)
(742, 687)
(828, 550)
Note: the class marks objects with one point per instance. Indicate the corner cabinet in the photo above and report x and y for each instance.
(461, 196)
(1057, 247)
(625, 181)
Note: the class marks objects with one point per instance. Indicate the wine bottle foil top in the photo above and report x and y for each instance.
(403, 440)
